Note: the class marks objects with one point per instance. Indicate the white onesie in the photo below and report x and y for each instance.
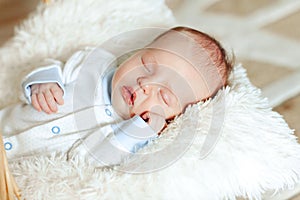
(86, 124)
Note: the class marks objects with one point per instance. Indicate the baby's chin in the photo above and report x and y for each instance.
(132, 112)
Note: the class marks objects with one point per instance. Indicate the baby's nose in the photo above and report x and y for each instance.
(145, 85)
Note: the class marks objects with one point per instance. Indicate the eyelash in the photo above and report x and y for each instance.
(148, 67)
(164, 98)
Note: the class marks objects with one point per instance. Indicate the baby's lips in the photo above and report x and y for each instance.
(127, 95)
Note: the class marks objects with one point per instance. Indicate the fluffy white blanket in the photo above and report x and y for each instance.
(256, 152)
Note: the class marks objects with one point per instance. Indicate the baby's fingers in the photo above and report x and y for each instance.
(43, 104)
(35, 103)
(50, 101)
(57, 94)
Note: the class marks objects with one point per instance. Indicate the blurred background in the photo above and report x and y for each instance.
(264, 35)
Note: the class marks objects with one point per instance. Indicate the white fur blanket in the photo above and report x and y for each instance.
(256, 152)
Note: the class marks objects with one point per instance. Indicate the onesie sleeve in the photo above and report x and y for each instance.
(49, 72)
(113, 144)
(54, 71)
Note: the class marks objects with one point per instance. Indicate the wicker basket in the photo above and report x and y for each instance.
(8, 187)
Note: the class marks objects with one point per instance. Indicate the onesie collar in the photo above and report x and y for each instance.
(106, 85)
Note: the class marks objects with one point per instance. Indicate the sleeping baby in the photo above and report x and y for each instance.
(89, 107)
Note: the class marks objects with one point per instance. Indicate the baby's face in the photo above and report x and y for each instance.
(154, 78)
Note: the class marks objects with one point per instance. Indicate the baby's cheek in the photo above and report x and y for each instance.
(170, 113)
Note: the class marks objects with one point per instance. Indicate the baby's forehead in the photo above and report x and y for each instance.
(173, 42)
(183, 46)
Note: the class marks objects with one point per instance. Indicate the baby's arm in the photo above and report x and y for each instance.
(46, 96)
(44, 87)
(111, 144)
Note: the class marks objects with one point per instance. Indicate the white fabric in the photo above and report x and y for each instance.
(257, 151)
(41, 133)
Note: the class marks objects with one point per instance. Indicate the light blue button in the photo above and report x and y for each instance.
(55, 129)
(108, 112)
(7, 146)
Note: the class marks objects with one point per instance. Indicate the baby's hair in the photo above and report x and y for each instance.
(217, 53)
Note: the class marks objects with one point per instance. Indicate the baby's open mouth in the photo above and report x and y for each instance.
(128, 95)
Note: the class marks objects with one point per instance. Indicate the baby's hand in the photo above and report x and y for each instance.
(45, 96)
(156, 121)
